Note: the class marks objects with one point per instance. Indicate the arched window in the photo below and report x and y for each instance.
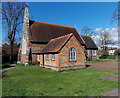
(72, 54)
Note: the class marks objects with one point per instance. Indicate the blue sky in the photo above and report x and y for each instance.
(75, 14)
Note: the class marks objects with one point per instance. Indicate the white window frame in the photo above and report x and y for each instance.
(88, 52)
(94, 52)
(72, 54)
(47, 57)
(38, 57)
(52, 57)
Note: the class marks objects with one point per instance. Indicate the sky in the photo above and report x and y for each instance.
(95, 15)
(75, 14)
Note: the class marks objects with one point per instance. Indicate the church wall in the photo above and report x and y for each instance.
(50, 61)
(62, 58)
(35, 48)
(92, 54)
(64, 55)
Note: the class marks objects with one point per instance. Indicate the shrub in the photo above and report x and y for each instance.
(111, 57)
(104, 54)
(6, 65)
(34, 63)
(0, 66)
(117, 53)
(3, 73)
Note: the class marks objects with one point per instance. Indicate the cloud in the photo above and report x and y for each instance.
(98, 29)
(113, 35)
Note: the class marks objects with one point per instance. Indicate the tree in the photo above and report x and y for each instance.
(116, 14)
(103, 54)
(117, 52)
(6, 52)
(104, 39)
(87, 31)
(12, 16)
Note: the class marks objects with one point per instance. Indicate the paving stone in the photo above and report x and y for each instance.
(114, 92)
(112, 77)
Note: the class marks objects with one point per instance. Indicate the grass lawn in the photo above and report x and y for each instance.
(103, 60)
(37, 81)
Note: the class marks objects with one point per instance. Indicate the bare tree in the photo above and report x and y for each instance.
(104, 39)
(87, 31)
(116, 14)
(12, 16)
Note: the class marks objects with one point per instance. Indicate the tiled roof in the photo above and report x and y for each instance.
(43, 32)
(89, 42)
(56, 44)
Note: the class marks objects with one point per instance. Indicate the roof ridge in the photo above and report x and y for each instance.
(86, 35)
(55, 24)
(62, 36)
(66, 37)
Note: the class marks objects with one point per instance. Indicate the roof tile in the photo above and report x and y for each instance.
(89, 42)
(56, 44)
(44, 32)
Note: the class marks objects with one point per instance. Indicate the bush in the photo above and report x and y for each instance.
(111, 57)
(3, 73)
(0, 66)
(104, 54)
(34, 63)
(117, 53)
(6, 65)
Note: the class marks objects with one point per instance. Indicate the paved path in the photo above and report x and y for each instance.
(114, 92)
(108, 66)
(105, 65)
(8, 68)
(14, 66)
(112, 77)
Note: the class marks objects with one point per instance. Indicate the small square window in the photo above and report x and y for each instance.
(53, 57)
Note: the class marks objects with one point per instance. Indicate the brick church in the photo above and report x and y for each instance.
(55, 46)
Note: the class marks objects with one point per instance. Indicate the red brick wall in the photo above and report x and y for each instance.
(64, 54)
(62, 58)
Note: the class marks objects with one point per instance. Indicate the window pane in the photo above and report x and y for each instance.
(47, 57)
(72, 54)
(53, 57)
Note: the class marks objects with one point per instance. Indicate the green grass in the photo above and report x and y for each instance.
(19, 64)
(103, 60)
(37, 81)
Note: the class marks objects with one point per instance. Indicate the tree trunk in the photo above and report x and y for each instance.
(11, 52)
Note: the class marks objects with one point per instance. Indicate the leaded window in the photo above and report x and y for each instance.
(72, 54)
